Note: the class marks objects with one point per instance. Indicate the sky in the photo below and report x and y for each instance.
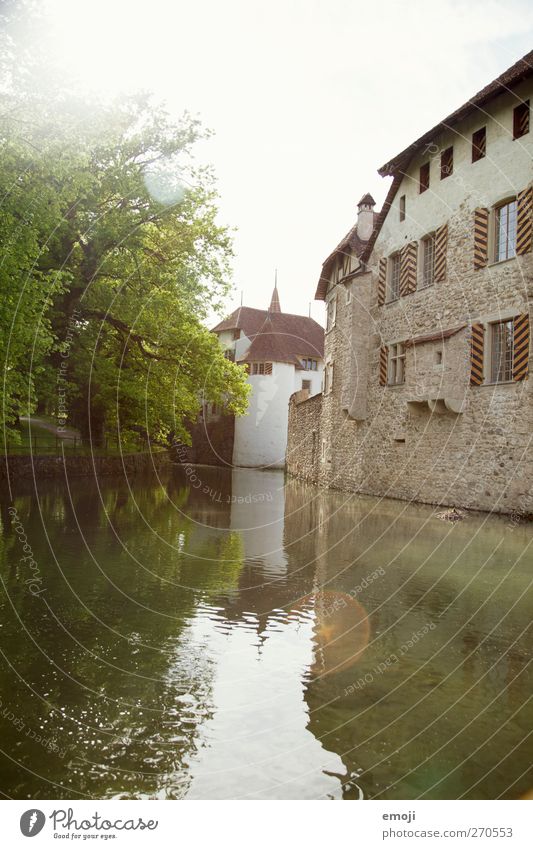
(305, 99)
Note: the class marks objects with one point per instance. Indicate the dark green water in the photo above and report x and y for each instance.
(226, 636)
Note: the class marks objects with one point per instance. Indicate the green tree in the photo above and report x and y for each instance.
(120, 263)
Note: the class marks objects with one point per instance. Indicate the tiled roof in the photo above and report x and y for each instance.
(276, 336)
(351, 243)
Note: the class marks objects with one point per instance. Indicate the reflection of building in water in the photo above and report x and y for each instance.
(258, 513)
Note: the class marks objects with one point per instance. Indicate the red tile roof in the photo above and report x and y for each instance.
(351, 243)
(276, 336)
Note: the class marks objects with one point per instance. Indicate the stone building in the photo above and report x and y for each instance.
(427, 347)
(283, 354)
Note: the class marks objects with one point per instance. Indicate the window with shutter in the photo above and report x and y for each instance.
(524, 220)
(446, 163)
(423, 184)
(481, 237)
(505, 231)
(383, 364)
(441, 249)
(479, 144)
(476, 354)
(521, 346)
(382, 281)
(394, 282)
(408, 269)
(521, 120)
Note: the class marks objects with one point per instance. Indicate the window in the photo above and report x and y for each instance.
(428, 261)
(446, 163)
(229, 354)
(501, 351)
(521, 120)
(396, 364)
(260, 368)
(306, 384)
(438, 358)
(332, 313)
(424, 178)
(328, 378)
(394, 282)
(324, 451)
(505, 231)
(479, 144)
(236, 334)
(348, 294)
(309, 365)
(402, 208)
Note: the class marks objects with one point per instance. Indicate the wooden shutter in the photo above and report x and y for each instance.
(523, 220)
(476, 354)
(408, 269)
(382, 281)
(268, 368)
(521, 346)
(481, 237)
(383, 364)
(441, 249)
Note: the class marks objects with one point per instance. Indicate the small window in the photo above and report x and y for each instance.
(446, 163)
(324, 451)
(394, 282)
(396, 364)
(348, 294)
(306, 384)
(521, 120)
(438, 358)
(479, 144)
(424, 178)
(428, 261)
(309, 364)
(501, 351)
(328, 378)
(402, 208)
(258, 368)
(236, 334)
(332, 313)
(505, 231)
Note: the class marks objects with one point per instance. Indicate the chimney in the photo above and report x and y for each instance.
(365, 217)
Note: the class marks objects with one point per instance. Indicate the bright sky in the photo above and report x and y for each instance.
(306, 99)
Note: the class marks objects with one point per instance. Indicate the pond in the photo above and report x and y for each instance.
(221, 634)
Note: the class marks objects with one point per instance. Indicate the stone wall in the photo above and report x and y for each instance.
(303, 446)
(27, 466)
(212, 443)
(474, 451)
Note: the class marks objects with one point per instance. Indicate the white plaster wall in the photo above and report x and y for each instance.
(505, 170)
(258, 513)
(314, 376)
(261, 435)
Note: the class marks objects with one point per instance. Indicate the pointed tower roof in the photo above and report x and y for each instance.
(274, 302)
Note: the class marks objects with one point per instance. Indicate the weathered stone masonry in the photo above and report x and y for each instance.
(437, 437)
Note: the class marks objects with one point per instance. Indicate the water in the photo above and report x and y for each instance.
(222, 635)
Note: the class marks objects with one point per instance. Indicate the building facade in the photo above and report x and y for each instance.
(428, 344)
(283, 354)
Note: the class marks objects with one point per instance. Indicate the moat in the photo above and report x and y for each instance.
(215, 634)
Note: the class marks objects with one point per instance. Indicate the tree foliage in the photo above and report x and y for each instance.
(112, 258)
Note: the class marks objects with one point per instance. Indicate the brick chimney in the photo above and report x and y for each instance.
(365, 217)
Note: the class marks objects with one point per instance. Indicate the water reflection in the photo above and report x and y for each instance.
(216, 634)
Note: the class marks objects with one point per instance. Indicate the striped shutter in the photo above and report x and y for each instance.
(476, 354)
(523, 220)
(441, 248)
(382, 281)
(383, 364)
(521, 346)
(481, 237)
(408, 269)
(268, 368)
